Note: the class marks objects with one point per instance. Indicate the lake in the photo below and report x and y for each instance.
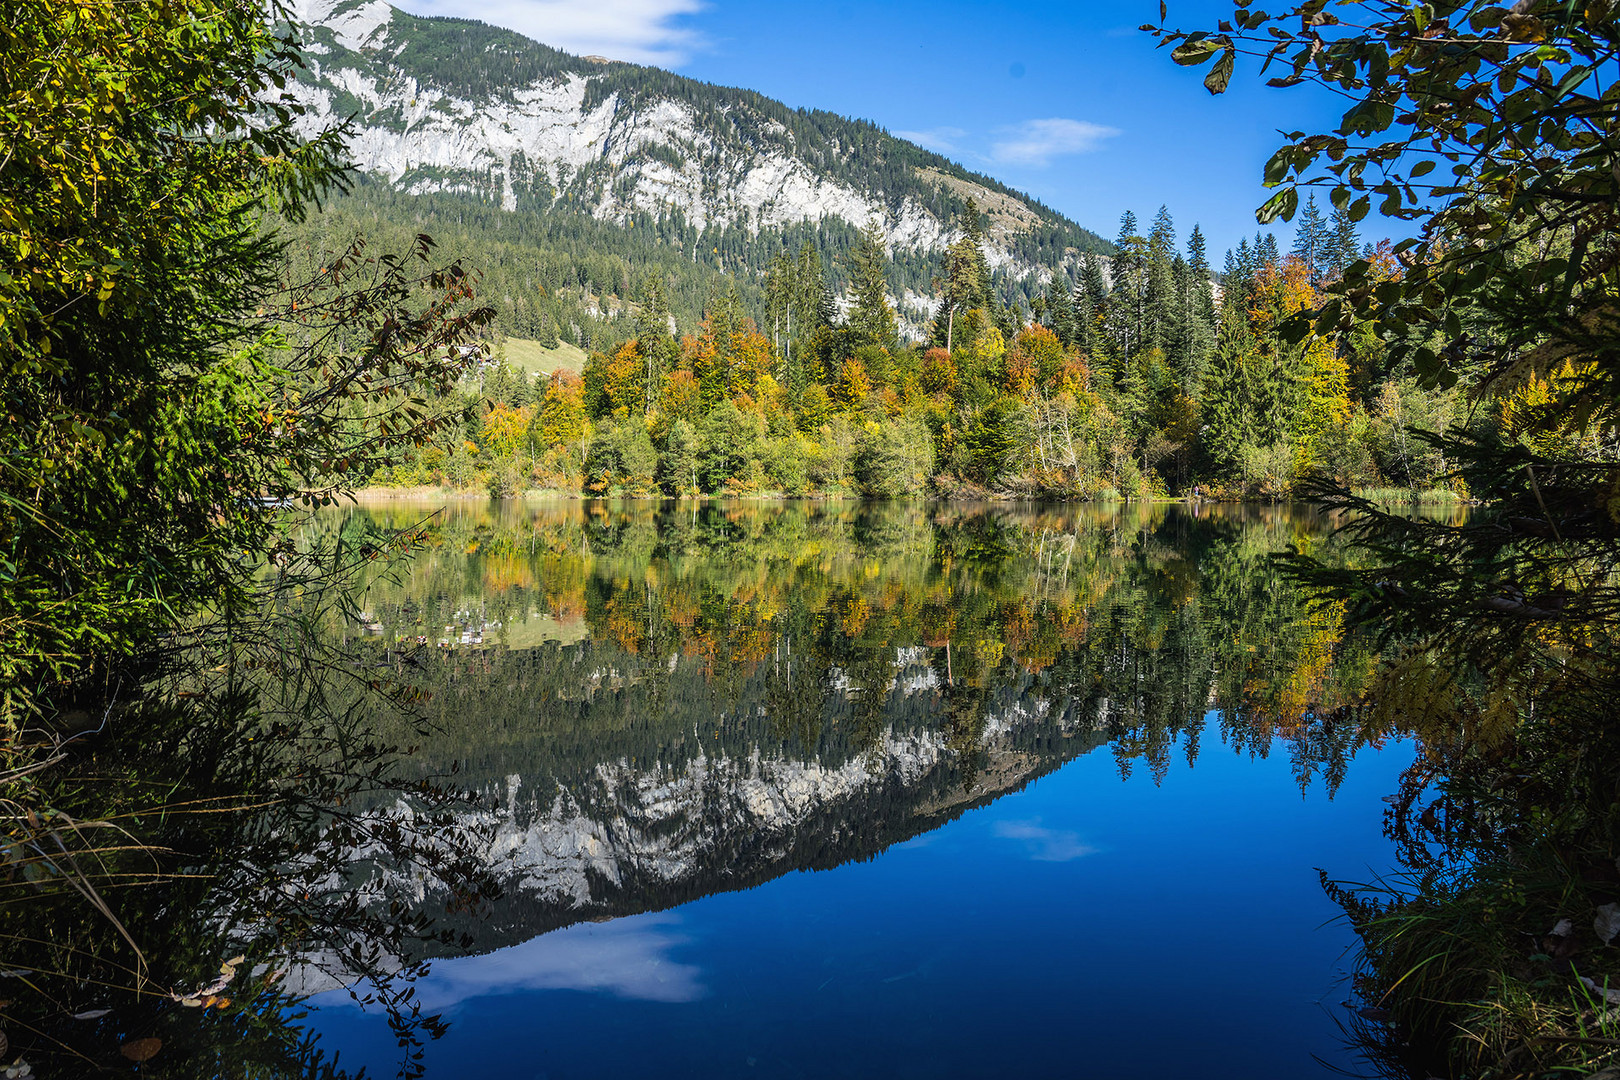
(898, 790)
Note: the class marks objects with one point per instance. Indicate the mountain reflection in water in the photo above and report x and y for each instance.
(985, 718)
(664, 703)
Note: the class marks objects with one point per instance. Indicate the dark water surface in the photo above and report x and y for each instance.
(815, 791)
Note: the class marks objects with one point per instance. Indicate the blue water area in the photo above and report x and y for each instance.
(1086, 926)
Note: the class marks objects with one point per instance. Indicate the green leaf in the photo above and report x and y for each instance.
(1190, 53)
(1283, 204)
(1277, 168)
(1221, 74)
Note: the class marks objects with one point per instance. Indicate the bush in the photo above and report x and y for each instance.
(621, 460)
(895, 460)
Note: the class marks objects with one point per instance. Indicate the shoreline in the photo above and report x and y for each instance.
(430, 492)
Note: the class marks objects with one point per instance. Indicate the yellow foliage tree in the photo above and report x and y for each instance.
(505, 430)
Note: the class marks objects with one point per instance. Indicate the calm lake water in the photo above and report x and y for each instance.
(825, 791)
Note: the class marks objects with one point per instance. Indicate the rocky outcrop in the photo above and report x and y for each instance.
(561, 138)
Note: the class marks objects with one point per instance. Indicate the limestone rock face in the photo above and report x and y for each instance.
(533, 127)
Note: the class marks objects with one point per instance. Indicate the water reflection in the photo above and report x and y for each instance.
(657, 703)
(625, 958)
(662, 701)
(1044, 844)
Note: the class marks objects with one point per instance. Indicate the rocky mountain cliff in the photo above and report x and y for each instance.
(455, 106)
(596, 837)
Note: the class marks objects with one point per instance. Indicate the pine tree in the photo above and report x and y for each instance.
(780, 287)
(1178, 309)
(871, 317)
(1060, 313)
(964, 281)
(1344, 243)
(1201, 314)
(813, 296)
(1127, 316)
(654, 342)
(1158, 283)
(1090, 301)
(1265, 250)
(1312, 240)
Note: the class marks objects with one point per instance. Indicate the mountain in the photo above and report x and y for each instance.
(724, 176)
(631, 820)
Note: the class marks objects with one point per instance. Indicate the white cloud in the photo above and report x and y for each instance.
(1037, 142)
(627, 958)
(1043, 844)
(640, 31)
(941, 140)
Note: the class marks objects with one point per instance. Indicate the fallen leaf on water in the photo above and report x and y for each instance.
(141, 1049)
(91, 1014)
(1607, 923)
(1564, 928)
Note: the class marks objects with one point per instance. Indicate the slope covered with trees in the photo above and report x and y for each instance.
(719, 174)
(1144, 374)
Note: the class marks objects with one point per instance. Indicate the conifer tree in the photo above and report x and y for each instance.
(548, 331)
(1158, 283)
(654, 342)
(1090, 301)
(1312, 241)
(1060, 313)
(964, 281)
(1201, 315)
(1265, 250)
(1127, 314)
(872, 318)
(813, 297)
(1344, 243)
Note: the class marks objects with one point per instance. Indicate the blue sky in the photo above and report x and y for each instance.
(1067, 101)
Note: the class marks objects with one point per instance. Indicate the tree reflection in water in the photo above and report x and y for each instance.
(648, 703)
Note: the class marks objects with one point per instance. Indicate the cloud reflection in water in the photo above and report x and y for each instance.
(1044, 844)
(625, 958)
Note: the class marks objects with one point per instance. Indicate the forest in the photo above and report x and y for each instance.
(1141, 374)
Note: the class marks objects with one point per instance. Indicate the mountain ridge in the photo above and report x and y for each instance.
(455, 106)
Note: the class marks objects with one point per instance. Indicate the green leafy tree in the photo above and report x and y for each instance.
(896, 460)
(621, 460)
(677, 468)
(169, 389)
(1491, 127)
(162, 387)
